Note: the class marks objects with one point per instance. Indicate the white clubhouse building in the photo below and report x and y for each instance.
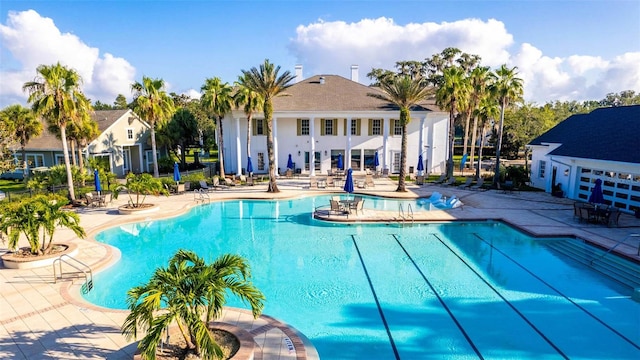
(327, 115)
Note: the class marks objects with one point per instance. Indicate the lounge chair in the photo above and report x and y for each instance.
(453, 202)
(368, 180)
(467, 183)
(450, 182)
(435, 196)
(204, 186)
(478, 184)
(362, 184)
(441, 179)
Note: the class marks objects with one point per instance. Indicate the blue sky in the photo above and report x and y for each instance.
(565, 50)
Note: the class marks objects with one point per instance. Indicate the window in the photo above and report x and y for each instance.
(303, 127)
(355, 127)
(375, 126)
(316, 160)
(34, 160)
(541, 168)
(258, 127)
(396, 162)
(261, 161)
(130, 134)
(328, 127)
(397, 127)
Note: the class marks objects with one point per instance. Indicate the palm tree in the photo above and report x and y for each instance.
(26, 126)
(191, 293)
(451, 95)
(404, 92)
(480, 79)
(486, 112)
(266, 82)
(55, 95)
(506, 89)
(152, 103)
(251, 101)
(217, 98)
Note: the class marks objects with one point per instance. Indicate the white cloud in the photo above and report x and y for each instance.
(193, 93)
(33, 40)
(332, 47)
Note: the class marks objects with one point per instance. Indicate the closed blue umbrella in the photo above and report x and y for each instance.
(348, 183)
(596, 193)
(463, 161)
(249, 165)
(340, 164)
(176, 173)
(420, 163)
(376, 160)
(96, 181)
(290, 163)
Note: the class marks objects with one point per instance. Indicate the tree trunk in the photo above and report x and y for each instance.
(452, 133)
(156, 174)
(221, 148)
(404, 119)
(496, 178)
(474, 139)
(65, 155)
(268, 113)
(479, 169)
(72, 152)
(466, 132)
(81, 162)
(25, 169)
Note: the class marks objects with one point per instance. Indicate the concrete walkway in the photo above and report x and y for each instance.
(40, 319)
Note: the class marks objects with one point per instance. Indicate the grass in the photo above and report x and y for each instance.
(12, 186)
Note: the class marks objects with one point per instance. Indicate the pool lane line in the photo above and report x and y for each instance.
(375, 296)
(440, 299)
(513, 307)
(560, 293)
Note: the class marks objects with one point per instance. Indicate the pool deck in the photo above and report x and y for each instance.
(40, 319)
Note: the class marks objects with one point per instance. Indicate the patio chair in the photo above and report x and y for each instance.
(467, 183)
(361, 183)
(89, 198)
(249, 181)
(337, 209)
(357, 205)
(478, 184)
(368, 180)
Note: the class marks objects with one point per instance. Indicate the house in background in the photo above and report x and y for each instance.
(604, 144)
(122, 144)
(325, 116)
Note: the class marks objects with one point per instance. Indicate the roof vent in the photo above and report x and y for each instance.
(321, 80)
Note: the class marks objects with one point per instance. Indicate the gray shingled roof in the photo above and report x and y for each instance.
(49, 142)
(611, 134)
(336, 94)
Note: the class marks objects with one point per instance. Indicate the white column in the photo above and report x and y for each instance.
(421, 148)
(140, 156)
(275, 142)
(312, 147)
(238, 148)
(347, 157)
(386, 123)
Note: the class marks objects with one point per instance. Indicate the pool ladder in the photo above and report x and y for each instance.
(78, 265)
(201, 195)
(401, 214)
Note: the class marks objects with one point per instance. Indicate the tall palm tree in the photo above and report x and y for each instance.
(450, 96)
(56, 96)
(26, 127)
(486, 112)
(404, 92)
(191, 293)
(266, 82)
(479, 81)
(507, 88)
(152, 103)
(217, 97)
(250, 101)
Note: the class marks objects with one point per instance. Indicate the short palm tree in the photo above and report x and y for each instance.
(486, 112)
(217, 98)
(266, 82)
(190, 293)
(37, 219)
(26, 127)
(55, 95)
(152, 103)
(451, 96)
(404, 92)
(138, 186)
(250, 101)
(480, 79)
(506, 89)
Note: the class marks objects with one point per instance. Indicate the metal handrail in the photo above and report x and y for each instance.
(410, 211)
(615, 246)
(88, 276)
(400, 212)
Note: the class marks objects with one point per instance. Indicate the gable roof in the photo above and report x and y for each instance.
(611, 134)
(336, 94)
(47, 141)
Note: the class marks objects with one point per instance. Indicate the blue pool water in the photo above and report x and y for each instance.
(378, 291)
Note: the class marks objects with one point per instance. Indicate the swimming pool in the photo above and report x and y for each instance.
(377, 291)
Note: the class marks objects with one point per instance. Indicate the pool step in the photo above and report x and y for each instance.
(619, 269)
